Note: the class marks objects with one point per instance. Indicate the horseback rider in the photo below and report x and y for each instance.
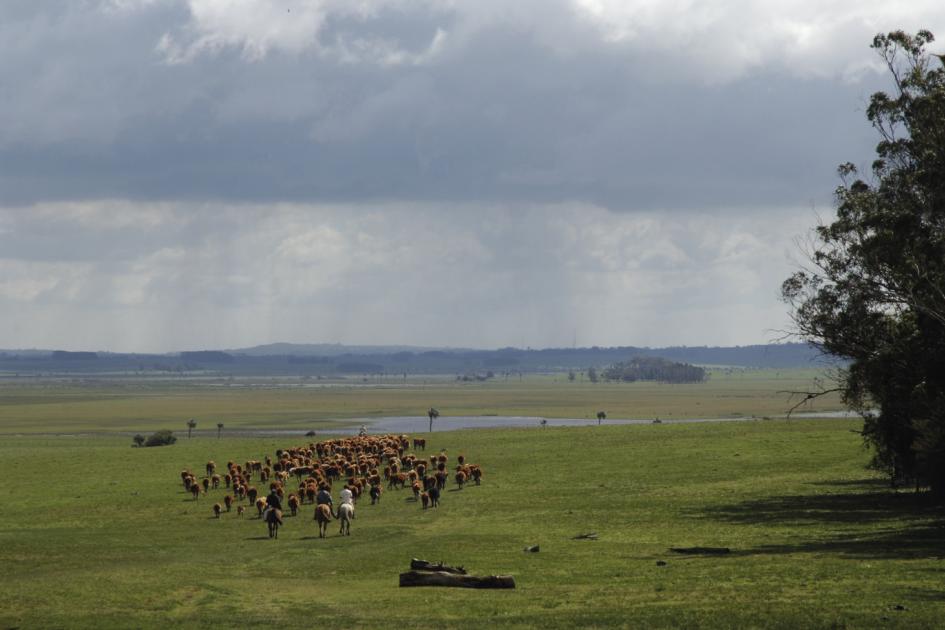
(324, 496)
(273, 502)
(347, 496)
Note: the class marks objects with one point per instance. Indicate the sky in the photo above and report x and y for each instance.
(184, 174)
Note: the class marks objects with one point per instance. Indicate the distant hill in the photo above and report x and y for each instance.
(320, 350)
(284, 359)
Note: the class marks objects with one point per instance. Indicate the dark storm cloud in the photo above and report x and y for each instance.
(204, 173)
(158, 101)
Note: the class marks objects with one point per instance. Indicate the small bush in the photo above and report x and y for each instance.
(160, 438)
(310, 434)
(138, 440)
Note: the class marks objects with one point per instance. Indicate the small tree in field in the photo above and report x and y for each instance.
(219, 429)
(160, 438)
(601, 416)
(432, 413)
(138, 440)
(191, 424)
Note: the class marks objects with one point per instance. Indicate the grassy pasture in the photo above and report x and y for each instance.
(96, 534)
(130, 405)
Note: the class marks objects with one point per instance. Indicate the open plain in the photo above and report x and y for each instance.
(95, 533)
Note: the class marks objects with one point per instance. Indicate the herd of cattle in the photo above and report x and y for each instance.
(363, 464)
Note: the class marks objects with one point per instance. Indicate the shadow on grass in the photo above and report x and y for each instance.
(927, 594)
(874, 483)
(896, 525)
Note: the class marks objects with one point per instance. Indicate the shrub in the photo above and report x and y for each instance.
(160, 438)
(138, 440)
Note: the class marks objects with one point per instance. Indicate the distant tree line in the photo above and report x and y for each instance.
(65, 355)
(653, 369)
(504, 362)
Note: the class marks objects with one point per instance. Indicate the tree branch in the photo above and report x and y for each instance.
(808, 396)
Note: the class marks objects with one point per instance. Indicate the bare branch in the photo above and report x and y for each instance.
(807, 397)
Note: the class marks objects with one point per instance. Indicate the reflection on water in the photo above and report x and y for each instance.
(421, 424)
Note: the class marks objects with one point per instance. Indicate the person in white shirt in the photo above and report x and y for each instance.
(347, 496)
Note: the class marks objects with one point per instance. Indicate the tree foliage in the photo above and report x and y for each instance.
(160, 438)
(654, 369)
(874, 292)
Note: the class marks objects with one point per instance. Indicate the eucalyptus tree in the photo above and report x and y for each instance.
(873, 292)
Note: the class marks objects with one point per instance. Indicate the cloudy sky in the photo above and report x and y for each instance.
(179, 174)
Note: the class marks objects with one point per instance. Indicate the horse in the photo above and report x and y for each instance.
(345, 514)
(273, 520)
(323, 517)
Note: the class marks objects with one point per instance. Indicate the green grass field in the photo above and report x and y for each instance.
(130, 405)
(94, 533)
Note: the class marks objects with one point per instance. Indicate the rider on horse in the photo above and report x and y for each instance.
(273, 502)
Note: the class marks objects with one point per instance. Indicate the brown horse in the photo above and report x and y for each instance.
(323, 517)
(273, 520)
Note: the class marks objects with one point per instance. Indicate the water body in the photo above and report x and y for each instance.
(421, 424)
(830, 414)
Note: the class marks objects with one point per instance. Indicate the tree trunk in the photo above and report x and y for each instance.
(439, 578)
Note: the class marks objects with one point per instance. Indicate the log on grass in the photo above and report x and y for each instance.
(423, 565)
(440, 578)
(587, 536)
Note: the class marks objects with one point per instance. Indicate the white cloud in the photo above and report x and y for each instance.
(722, 41)
(472, 274)
(259, 27)
(690, 39)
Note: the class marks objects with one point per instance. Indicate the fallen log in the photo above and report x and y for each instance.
(423, 565)
(587, 536)
(441, 578)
